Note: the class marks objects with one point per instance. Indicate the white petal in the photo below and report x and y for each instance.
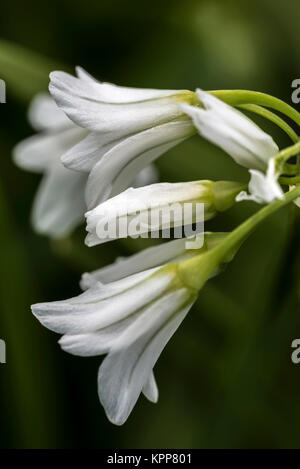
(84, 155)
(111, 109)
(44, 113)
(262, 188)
(94, 295)
(150, 389)
(59, 202)
(108, 92)
(260, 142)
(119, 166)
(125, 371)
(146, 259)
(152, 196)
(99, 343)
(232, 131)
(95, 343)
(84, 75)
(41, 151)
(153, 257)
(103, 305)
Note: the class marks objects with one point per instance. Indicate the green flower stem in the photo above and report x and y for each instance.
(261, 111)
(289, 181)
(291, 169)
(195, 272)
(282, 167)
(288, 152)
(238, 97)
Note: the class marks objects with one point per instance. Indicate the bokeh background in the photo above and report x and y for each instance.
(226, 378)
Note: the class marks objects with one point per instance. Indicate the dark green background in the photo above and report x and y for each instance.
(226, 379)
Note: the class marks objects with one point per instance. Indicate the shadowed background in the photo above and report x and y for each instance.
(226, 379)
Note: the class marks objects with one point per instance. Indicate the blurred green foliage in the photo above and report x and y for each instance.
(226, 379)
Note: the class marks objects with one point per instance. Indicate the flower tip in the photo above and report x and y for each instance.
(33, 308)
(38, 309)
(65, 159)
(201, 93)
(242, 196)
(85, 281)
(54, 75)
(118, 423)
(208, 100)
(90, 240)
(66, 343)
(112, 413)
(17, 155)
(153, 397)
(78, 70)
(82, 74)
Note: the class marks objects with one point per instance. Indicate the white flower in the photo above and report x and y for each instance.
(137, 212)
(60, 201)
(243, 140)
(128, 129)
(131, 318)
(263, 188)
(232, 131)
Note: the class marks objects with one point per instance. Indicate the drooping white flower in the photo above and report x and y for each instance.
(243, 140)
(60, 201)
(130, 318)
(128, 128)
(137, 212)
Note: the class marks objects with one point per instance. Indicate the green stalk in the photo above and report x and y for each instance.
(289, 181)
(291, 169)
(288, 152)
(195, 272)
(261, 111)
(238, 97)
(284, 168)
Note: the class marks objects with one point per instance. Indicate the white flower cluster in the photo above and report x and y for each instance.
(97, 140)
